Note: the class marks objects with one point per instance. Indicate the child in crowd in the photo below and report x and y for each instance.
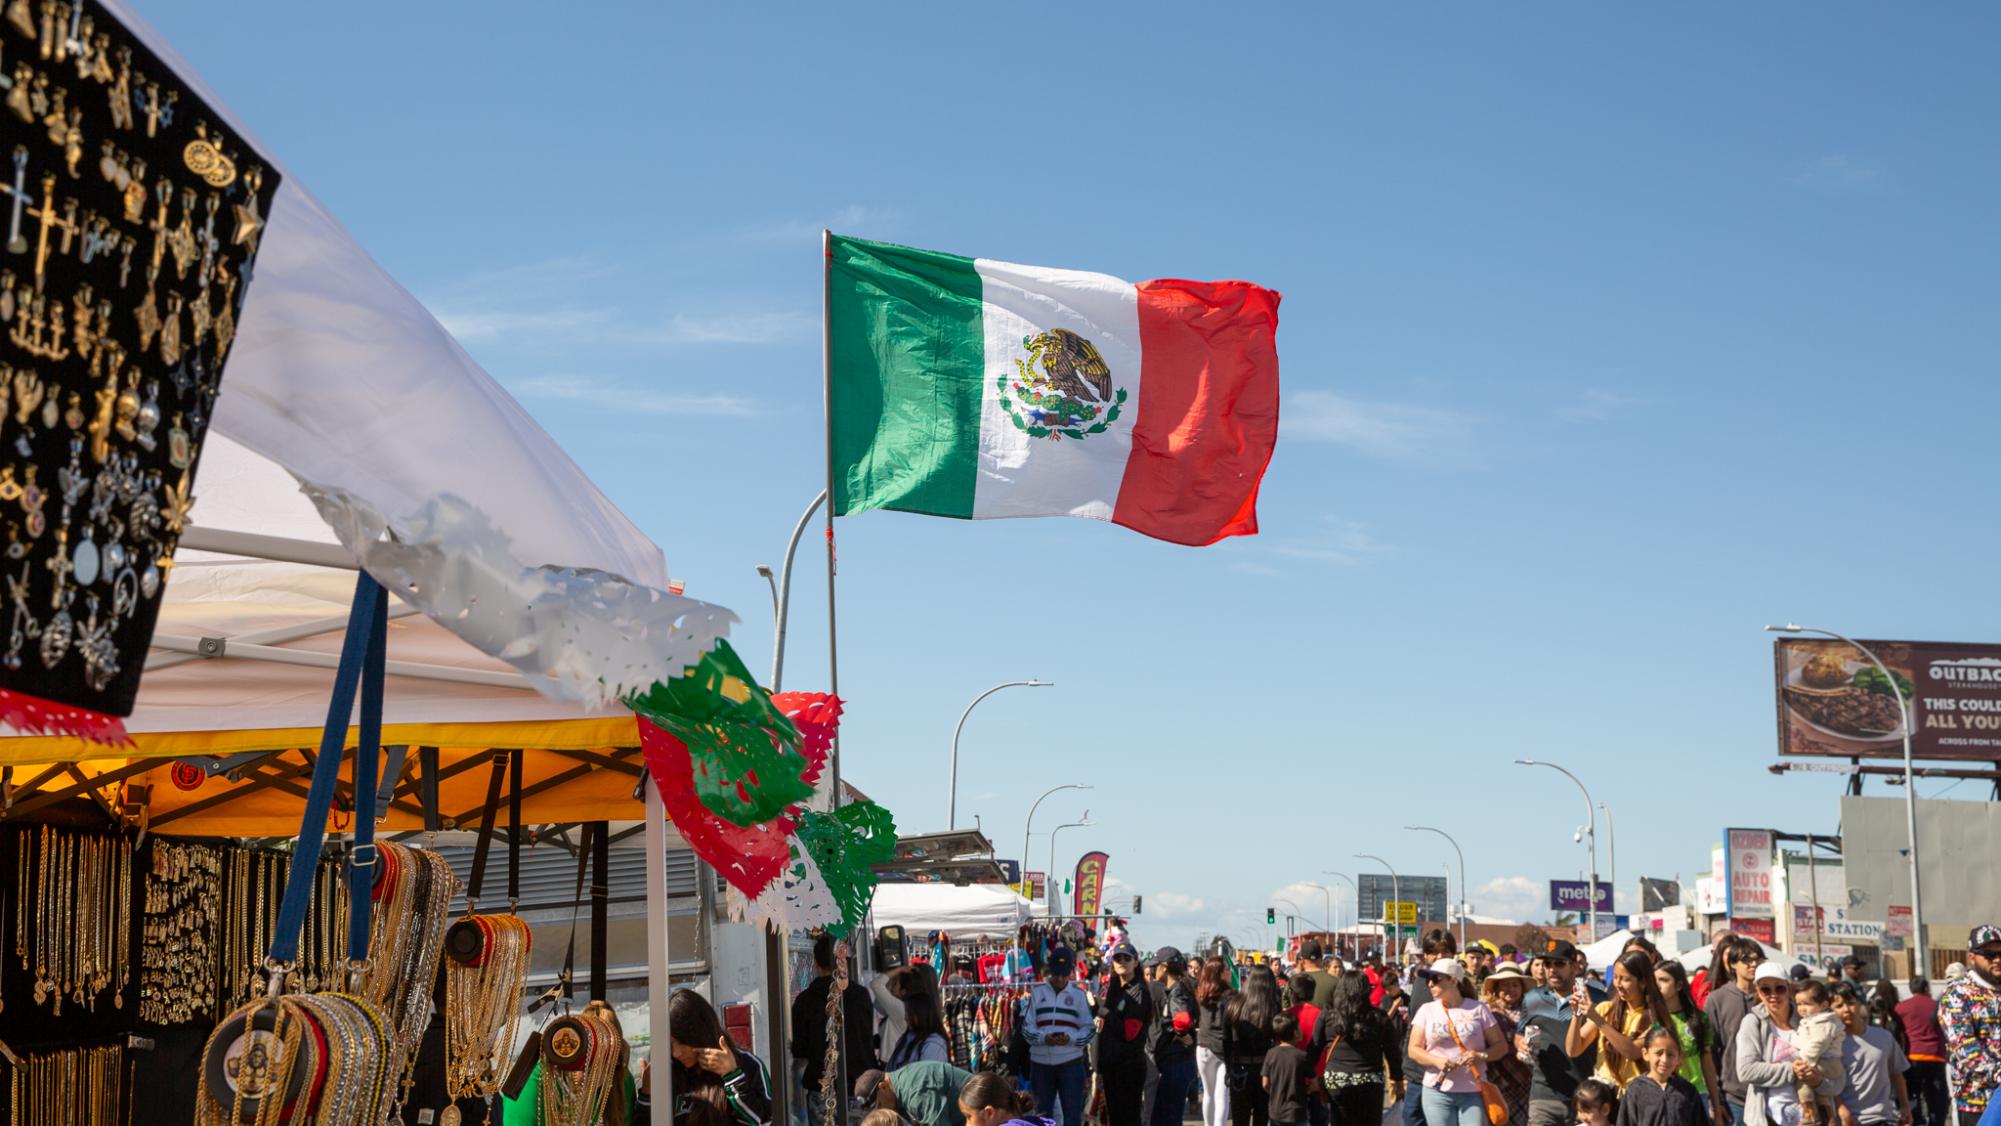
(1817, 1036)
(1659, 1096)
(1596, 1103)
(1286, 1070)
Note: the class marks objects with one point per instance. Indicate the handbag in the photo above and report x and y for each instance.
(1497, 1107)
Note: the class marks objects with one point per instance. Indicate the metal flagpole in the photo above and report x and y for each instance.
(838, 1041)
(658, 956)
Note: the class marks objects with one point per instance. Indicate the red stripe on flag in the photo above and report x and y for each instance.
(1207, 415)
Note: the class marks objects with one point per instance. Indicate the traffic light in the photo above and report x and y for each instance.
(1271, 916)
(1136, 903)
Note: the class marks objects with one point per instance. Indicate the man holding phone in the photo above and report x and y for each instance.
(1546, 1013)
(1056, 1021)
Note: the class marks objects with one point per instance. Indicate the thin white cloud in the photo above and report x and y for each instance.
(848, 220)
(1512, 897)
(1397, 431)
(1838, 173)
(733, 328)
(613, 395)
(1173, 905)
(1248, 567)
(1599, 404)
(1348, 543)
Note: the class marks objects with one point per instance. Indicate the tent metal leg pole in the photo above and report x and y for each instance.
(658, 956)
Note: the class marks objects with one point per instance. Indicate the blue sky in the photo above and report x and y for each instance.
(1610, 334)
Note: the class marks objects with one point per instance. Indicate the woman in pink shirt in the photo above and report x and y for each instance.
(1452, 1036)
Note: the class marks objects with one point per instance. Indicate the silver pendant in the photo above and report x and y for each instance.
(114, 558)
(55, 639)
(149, 581)
(84, 561)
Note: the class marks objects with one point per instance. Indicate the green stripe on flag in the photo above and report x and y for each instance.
(908, 360)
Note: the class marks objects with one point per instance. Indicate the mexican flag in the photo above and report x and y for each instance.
(974, 388)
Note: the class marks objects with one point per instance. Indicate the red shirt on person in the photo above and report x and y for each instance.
(1920, 1016)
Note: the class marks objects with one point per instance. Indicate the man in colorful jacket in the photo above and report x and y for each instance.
(1057, 1022)
(1970, 1013)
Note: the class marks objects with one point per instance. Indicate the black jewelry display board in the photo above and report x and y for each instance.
(133, 218)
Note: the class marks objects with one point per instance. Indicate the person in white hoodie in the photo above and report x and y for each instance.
(1057, 1022)
(1767, 1061)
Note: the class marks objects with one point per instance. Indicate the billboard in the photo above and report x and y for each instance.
(1750, 885)
(1010, 871)
(1575, 896)
(1090, 887)
(1035, 885)
(1659, 895)
(1833, 701)
(1428, 892)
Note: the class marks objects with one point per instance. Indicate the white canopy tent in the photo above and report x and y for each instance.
(973, 911)
(1605, 951)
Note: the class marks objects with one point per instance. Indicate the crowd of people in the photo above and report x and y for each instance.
(1535, 1039)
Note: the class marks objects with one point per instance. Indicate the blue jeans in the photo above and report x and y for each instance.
(1454, 1108)
(1736, 1112)
(1060, 1081)
(1413, 1104)
(1170, 1098)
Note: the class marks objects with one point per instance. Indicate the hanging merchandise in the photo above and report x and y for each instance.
(486, 963)
(118, 325)
(335, 1057)
(75, 1087)
(583, 1065)
(74, 932)
(177, 951)
(413, 902)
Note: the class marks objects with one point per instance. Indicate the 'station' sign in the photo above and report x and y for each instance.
(1575, 895)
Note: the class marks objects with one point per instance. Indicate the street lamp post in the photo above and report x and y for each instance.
(1292, 919)
(1329, 894)
(1590, 833)
(1463, 893)
(1396, 896)
(1918, 963)
(952, 799)
(1031, 821)
(1085, 823)
(1611, 854)
(1357, 888)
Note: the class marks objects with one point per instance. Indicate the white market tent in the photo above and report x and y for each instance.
(973, 911)
(1605, 951)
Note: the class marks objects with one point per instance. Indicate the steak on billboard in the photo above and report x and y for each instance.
(1833, 700)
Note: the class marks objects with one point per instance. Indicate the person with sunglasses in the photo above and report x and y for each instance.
(1765, 1057)
(1970, 1013)
(1125, 1013)
(1731, 998)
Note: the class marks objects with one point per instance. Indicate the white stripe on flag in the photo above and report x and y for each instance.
(1024, 476)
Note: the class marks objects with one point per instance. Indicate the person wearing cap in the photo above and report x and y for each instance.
(1176, 1017)
(1125, 1014)
(1437, 944)
(1764, 1052)
(1875, 1093)
(1970, 1014)
(924, 1093)
(1056, 1022)
(1454, 1038)
(1546, 1012)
